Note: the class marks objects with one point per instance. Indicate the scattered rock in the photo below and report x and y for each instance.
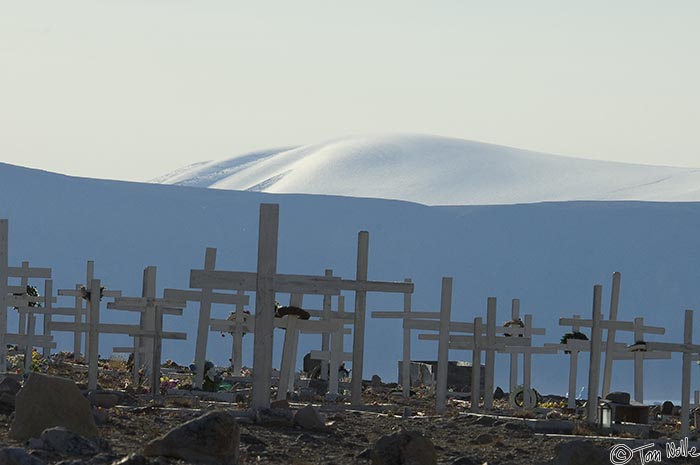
(553, 415)
(580, 453)
(65, 442)
(484, 438)
(619, 397)
(18, 456)
(309, 418)
(48, 401)
(467, 461)
(404, 448)
(103, 399)
(10, 386)
(133, 459)
(485, 421)
(284, 404)
(274, 417)
(319, 386)
(498, 394)
(210, 439)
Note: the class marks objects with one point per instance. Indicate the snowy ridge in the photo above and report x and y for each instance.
(439, 171)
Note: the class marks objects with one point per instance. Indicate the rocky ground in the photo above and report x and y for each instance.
(348, 437)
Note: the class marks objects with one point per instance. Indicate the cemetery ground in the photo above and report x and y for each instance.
(128, 418)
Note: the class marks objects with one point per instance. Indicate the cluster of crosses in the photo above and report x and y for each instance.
(209, 286)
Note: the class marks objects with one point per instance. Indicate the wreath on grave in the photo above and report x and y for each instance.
(517, 322)
(31, 292)
(572, 335)
(232, 317)
(85, 293)
(524, 398)
(300, 313)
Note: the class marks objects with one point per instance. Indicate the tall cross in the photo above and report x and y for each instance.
(79, 312)
(206, 297)
(149, 342)
(7, 299)
(266, 282)
(689, 352)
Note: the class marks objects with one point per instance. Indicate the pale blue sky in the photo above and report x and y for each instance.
(132, 89)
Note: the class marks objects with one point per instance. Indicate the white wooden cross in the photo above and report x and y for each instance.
(266, 282)
(81, 313)
(206, 297)
(613, 350)
(485, 340)
(7, 299)
(689, 351)
(293, 326)
(408, 315)
(93, 329)
(28, 335)
(148, 342)
(528, 351)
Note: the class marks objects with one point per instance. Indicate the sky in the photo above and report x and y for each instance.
(132, 89)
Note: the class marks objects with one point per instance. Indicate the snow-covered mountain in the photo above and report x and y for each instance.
(438, 171)
(547, 254)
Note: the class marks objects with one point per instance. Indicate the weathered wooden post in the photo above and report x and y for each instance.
(476, 365)
(490, 350)
(609, 359)
(443, 346)
(358, 336)
(265, 304)
(515, 316)
(596, 347)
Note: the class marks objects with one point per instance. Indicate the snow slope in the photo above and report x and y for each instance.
(438, 171)
(548, 254)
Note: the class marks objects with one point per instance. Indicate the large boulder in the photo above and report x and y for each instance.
(48, 401)
(210, 439)
(404, 448)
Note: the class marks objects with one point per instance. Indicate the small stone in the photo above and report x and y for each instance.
(320, 386)
(63, 441)
(485, 421)
(133, 459)
(484, 438)
(283, 404)
(553, 415)
(210, 439)
(308, 418)
(10, 386)
(580, 453)
(467, 461)
(103, 399)
(47, 401)
(619, 397)
(18, 456)
(404, 448)
(274, 417)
